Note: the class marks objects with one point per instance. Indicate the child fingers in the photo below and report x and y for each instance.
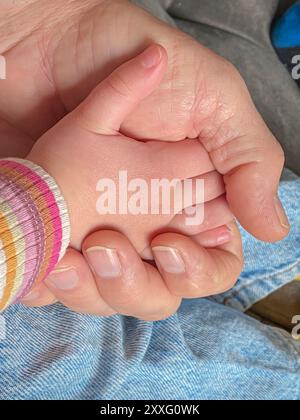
(202, 188)
(175, 196)
(106, 108)
(172, 155)
(191, 271)
(202, 217)
(212, 184)
(130, 286)
(215, 237)
(73, 284)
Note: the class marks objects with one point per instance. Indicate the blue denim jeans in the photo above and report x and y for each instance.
(209, 350)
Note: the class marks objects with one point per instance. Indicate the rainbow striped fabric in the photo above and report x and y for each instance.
(34, 228)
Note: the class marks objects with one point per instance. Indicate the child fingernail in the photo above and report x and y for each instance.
(169, 259)
(281, 214)
(105, 262)
(151, 57)
(224, 236)
(63, 279)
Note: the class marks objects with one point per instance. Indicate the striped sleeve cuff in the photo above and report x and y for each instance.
(34, 228)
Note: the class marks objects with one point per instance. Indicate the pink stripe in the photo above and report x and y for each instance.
(15, 198)
(51, 201)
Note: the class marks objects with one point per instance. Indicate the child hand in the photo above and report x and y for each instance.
(88, 140)
(86, 147)
(202, 95)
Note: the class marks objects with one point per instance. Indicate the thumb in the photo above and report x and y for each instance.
(251, 160)
(106, 108)
(253, 198)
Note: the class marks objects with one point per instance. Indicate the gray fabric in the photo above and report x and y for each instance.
(239, 30)
(158, 8)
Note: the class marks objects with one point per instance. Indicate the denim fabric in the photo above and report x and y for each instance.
(269, 266)
(205, 351)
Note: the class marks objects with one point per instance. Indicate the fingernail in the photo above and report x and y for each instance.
(63, 278)
(281, 213)
(151, 57)
(33, 295)
(224, 236)
(105, 262)
(169, 259)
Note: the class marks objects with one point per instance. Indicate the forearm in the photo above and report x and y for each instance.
(34, 228)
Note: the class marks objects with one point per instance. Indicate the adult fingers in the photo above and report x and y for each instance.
(191, 271)
(244, 150)
(39, 296)
(128, 285)
(72, 284)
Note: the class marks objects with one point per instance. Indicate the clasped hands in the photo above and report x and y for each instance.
(183, 91)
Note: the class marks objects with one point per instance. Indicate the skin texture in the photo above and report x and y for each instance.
(202, 96)
(89, 134)
(75, 44)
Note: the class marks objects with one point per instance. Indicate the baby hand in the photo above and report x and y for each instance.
(86, 148)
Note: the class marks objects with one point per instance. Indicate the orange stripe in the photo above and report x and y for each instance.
(11, 259)
(43, 210)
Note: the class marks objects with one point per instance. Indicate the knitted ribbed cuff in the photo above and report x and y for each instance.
(34, 228)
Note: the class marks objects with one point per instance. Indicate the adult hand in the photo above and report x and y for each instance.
(201, 96)
(187, 267)
(121, 281)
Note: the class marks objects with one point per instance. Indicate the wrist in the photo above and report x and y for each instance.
(34, 228)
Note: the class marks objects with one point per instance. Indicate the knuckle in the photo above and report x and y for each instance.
(206, 283)
(239, 151)
(231, 72)
(229, 283)
(103, 312)
(278, 154)
(161, 316)
(233, 271)
(125, 299)
(199, 285)
(118, 85)
(163, 311)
